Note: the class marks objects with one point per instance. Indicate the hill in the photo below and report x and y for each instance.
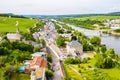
(114, 13)
(9, 24)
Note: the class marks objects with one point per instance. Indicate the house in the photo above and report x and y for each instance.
(14, 36)
(74, 48)
(37, 67)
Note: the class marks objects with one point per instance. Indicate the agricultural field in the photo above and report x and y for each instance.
(98, 18)
(9, 24)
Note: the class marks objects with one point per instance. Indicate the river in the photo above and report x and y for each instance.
(109, 41)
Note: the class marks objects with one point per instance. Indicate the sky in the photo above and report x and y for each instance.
(59, 7)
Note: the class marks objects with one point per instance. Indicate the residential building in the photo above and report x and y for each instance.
(74, 48)
(36, 66)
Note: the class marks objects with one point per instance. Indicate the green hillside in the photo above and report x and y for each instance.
(9, 24)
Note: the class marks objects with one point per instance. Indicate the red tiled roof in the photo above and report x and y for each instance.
(39, 61)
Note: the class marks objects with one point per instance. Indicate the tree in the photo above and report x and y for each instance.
(110, 52)
(48, 73)
(95, 40)
(22, 46)
(86, 45)
(28, 36)
(99, 61)
(77, 33)
(103, 49)
(104, 63)
(108, 63)
(42, 41)
(60, 41)
(72, 61)
(49, 58)
(37, 49)
(4, 51)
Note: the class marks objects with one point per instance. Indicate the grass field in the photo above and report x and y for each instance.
(9, 24)
(108, 74)
(72, 74)
(98, 18)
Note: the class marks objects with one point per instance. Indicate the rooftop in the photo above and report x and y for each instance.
(14, 36)
(38, 54)
(39, 61)
(74, 43)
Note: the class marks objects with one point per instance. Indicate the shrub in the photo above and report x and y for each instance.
(79, 65)
(72, 61)
(79, 71)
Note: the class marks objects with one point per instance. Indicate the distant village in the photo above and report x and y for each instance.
(113, 24)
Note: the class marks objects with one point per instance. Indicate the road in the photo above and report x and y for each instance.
(56, 68)
(54, 50)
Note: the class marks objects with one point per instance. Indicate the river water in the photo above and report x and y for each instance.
(109, 41)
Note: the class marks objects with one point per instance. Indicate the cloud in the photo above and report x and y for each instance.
(115, 8)
(58, 6)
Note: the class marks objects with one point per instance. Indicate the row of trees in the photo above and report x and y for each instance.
(12, 55)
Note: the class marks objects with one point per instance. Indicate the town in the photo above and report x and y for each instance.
(53, 50)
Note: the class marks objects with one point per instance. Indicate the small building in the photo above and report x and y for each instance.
(74, 48)
(38, 46)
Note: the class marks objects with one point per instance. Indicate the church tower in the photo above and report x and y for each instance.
(17, 29)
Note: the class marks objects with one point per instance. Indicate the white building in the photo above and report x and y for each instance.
(36, 35)
(74, 48)
(38, 54)
(14, 36)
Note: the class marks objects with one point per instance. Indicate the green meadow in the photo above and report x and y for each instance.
(98, 18)
(9, 24)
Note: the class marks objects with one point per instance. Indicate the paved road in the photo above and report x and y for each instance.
(56, 68)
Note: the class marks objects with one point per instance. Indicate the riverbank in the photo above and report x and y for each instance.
(108, 40)
(113, 33)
